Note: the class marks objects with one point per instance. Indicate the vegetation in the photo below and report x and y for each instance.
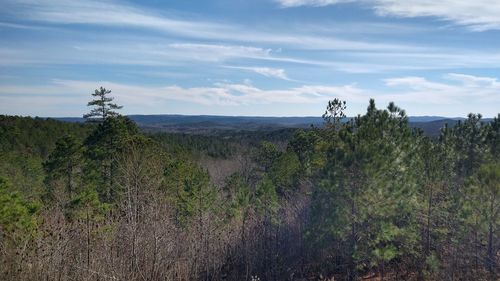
(370, 198)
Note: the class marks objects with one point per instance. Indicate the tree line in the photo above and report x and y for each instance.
(360, 198)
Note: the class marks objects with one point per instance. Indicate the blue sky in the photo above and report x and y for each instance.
(258, 57)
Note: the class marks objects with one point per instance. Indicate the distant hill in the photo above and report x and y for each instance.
(212, 124)
(433, 128)
(193, 120)
(208, 124)
(420, 119)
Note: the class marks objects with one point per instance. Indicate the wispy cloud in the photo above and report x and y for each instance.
(222, 94)
(66, 12)
(478, 15)
(314, 3)
(460, 88)
(216, 52)
(107, 13)
(23, 26)
(265, 71)
(233, 42)
(147, 51)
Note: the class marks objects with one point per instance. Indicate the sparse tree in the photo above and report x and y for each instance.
(103, 106)
(335, 112)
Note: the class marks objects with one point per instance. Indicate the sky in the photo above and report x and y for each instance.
(250, 57)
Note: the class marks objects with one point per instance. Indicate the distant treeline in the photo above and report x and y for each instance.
(231, 125)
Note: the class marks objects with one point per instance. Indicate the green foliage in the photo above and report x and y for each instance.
(239, 196)
(17, 217)
(434, 209)
(196, 145)
(303, 144)
(24, 171)
(36, 136)
(468, 141)
(262, 200)
(493, 138)
(432, 262)
(366, 195)
(194, 195)
(109, 137)
(267, 153)
(101, 148)
(25, 144)
(65, 163)
(284, 171)
(266, 198)
(86, 205)
(482, 207)
(335, 112)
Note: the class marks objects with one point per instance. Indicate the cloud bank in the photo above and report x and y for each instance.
(454, 90)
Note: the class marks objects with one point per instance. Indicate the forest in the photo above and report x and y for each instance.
(360, 198)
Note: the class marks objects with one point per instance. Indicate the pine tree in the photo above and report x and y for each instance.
(335, 112)
(64, 162)
(493, 138)
(434, 173)
(101, 149)
(103, 106)
(108, 138)
(268, 152)
(482, 204)
(366, 196)
(16, 215)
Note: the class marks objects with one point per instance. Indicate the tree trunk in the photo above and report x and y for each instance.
(88, 240)
(491, 258)
(353, 274)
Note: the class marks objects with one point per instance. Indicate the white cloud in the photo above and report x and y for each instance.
(222, 94)
(149, 52)
(265, 71)
(478, 15)
(314, 3)
(456, 95)
(131, 52)
(471, 81)
(216, 52)
(462, 89)
(106, 13)
(113, 14)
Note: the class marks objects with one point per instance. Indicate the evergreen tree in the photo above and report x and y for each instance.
(335, 112)
(101, 149)
(266, 155)
(482, 204)
(303, 144)
(434, 174)
(103, 106)
(65, 163)
(366, 198)
(195, 195)
(493, 138)
(17, 221)
(469, 138)
(284, 172)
